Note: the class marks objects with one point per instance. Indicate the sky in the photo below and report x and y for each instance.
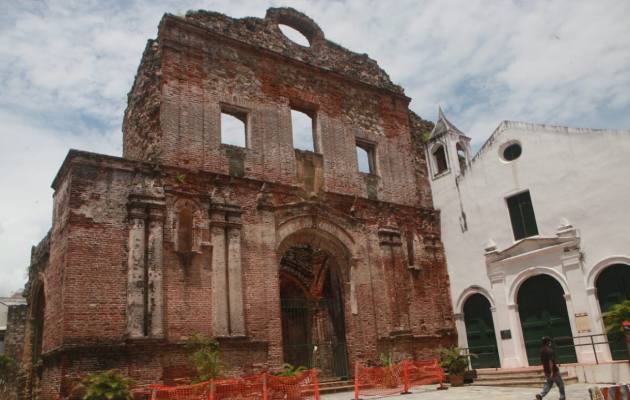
(66, 67)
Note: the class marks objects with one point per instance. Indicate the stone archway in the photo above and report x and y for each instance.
(313, 273)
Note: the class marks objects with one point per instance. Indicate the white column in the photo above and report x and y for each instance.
(577, 305)
(460, 325)
(603, 350)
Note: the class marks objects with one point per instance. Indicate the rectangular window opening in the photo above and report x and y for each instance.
(303, 130)
(366, 157)
(233, 126)
(522, 215)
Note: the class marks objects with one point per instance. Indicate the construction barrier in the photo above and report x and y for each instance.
(617, 392)
(396, 379)
(261, 387)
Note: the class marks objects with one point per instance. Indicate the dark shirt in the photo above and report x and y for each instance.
(546, 355)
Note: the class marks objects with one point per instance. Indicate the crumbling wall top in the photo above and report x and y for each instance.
(265, 33)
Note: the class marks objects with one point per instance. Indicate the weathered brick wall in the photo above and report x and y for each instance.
(384, 239)
(14, 336)
(207, 59)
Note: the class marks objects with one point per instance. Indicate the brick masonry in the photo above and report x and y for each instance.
(185, 235)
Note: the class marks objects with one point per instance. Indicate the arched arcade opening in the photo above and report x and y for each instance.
(313, 304)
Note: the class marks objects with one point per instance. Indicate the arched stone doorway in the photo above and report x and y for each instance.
(313, 303)
(613, 287)
(480, 332)
(543, 312)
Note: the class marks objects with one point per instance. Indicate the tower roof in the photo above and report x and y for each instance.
(443, 125)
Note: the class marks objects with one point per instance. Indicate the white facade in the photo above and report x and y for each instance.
(579, 183)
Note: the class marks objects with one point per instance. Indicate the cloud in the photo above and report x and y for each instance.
(67, 66)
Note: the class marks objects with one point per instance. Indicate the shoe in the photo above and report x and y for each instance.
(538, 397)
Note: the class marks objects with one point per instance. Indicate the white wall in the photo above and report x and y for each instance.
(582, 175)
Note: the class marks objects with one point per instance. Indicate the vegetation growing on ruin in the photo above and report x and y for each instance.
(108, 385)
(207, 357)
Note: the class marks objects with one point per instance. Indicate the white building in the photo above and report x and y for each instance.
(536, 228)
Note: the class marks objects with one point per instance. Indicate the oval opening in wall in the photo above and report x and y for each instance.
(294, 35)
(511, 151)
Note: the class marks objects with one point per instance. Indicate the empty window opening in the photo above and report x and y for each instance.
(522, 215)
(303, 128)
(461, 156)
(366, 158)
(234, 128)
(439, 155)
(294, 35)
(184, 231)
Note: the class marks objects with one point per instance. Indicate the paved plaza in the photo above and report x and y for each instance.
(576, 391)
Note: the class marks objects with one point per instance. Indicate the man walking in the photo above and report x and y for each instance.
(552, 373)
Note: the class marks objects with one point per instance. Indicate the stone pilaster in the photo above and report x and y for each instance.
(235, 274)
(227, 276)
(220, 300)
(155, 240)
(136, 272)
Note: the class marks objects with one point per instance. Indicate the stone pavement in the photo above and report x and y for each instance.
(576, 391)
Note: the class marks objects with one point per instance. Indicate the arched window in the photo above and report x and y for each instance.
(439, 158)
(185, 231)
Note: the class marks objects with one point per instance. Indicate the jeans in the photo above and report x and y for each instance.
(550, 381)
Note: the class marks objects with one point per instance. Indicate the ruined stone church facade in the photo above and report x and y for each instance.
(283, 255)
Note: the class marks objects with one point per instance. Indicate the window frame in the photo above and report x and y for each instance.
(521, 217)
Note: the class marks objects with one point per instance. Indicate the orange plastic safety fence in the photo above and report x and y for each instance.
(260, 387)
(423, 373)
(398, 378)
(378, 381)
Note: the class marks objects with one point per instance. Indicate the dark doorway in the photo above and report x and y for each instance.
(613, 287)
(313, 321)
(480, 332)
(543, 312)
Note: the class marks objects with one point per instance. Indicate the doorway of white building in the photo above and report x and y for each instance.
(543, 312)
(613, 287)
(480, 332)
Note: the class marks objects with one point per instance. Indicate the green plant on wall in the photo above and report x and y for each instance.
(425, 136)
(207, 357)
(7, 368)
(108, 385)
(386, 360)
(290, 370)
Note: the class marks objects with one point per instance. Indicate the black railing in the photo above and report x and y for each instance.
(585, 340)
